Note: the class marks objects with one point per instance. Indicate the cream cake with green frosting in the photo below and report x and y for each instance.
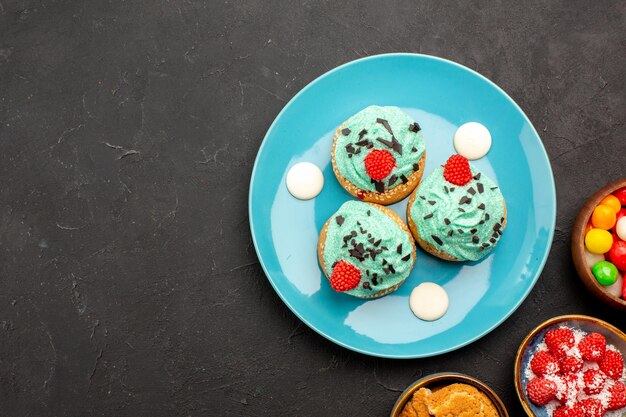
(378, 154)
(457, 213)
(365, 250)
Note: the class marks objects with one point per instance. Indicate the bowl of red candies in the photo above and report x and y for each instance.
(572, 366)
(599, 244)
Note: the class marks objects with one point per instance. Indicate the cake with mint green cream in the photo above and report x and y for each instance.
(457, 213)
(365, 250)
(378, 154)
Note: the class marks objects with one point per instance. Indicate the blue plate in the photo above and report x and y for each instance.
(440, 95)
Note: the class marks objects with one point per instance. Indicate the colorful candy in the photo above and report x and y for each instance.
(598, 241)
(617, 254)
(593, 258)
(612, 202)
(620, 228)
(605, 243)
(603, 217)
(621, 195)
(605, 272)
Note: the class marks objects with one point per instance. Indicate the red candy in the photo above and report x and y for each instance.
(345, 276)
(617, 254)
(541, 391)
(457, 170)
(379, 163)
(621, 195)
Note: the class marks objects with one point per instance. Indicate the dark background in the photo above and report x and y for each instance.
(129, 285)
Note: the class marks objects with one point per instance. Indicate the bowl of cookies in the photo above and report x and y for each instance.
(599, 244)
(448, 393)
(572, 365)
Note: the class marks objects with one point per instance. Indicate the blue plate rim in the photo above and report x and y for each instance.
(544, 259)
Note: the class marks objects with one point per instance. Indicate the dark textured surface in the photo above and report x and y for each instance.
(128, 281)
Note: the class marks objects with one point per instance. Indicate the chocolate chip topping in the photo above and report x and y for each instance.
(492, 240)
(414, 149)
(385, 124)
(465, 200)
(446, 221)
(473, 231)
(481, 206)
(367, 285)
(345, 131)
(494, 188)
(428, 216)
(387, 143)
(475, 239)
(432, 202)
(368, 212)
(471, 190)
(485, 245)
(339, 220)
(414, 127)
(477, 176)
(460, 231)
(392, 180)
(404, 179)
(379, 186)
(486, 216)
(406, 258)
(461, 210)
(395, 145)
(445, 187)
(377, 242)
(416, 167)
(480, 187)
(391, 268)
(450, 232)
(422, 197)
(436, 239)
(362, 133)
(399, 249)
(451, 189)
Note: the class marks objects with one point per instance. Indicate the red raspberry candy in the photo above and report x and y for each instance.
(568, 388)
(457, 170)
(617, 396)
(543, 363)
(559, 341)
(541, 391)
(592, 347)
(592, 407)
(574, 411)
(612, 364)
(570, 364)
(594, 380)
(345, 276)
(379, 163)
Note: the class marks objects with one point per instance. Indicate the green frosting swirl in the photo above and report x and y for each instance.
(467, 230)
(364, 236)
(351, 149)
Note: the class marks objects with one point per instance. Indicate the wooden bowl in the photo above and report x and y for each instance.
(588, 324)
(446, 378)
(578, 246)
